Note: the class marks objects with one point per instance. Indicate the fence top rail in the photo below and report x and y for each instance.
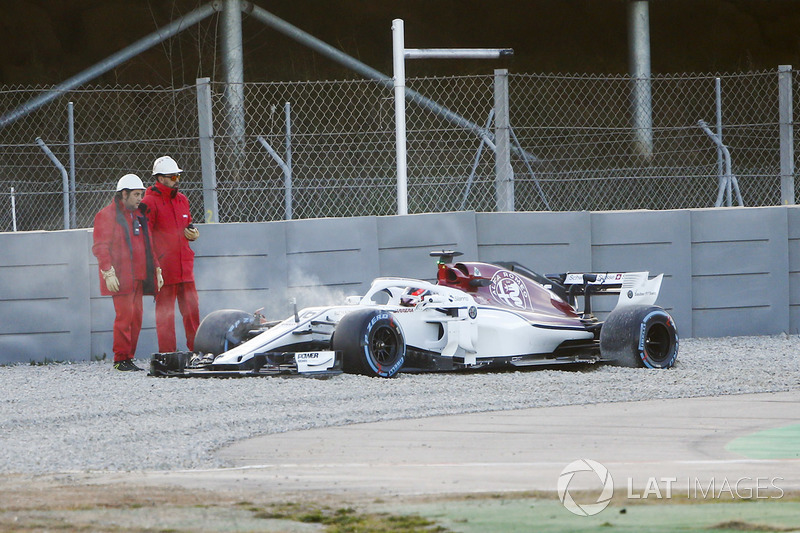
(10, 89)
(653, 76)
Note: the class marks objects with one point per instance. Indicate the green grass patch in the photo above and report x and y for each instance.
(518, 515)
(349, 520)
(776, 443)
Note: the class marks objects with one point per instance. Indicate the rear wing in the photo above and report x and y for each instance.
(633, 288)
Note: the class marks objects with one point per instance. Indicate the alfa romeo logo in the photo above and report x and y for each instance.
(510, 289)
(602, 473)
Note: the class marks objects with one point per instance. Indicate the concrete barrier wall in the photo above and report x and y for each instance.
(740, 272)
(45, 310)
(726, 272)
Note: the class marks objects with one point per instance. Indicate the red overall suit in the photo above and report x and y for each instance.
(122, 240)
(168, 214)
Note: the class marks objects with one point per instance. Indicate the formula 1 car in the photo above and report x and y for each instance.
(475, 315)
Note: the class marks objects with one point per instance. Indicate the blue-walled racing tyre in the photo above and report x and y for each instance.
(639, 336)
(371, 343)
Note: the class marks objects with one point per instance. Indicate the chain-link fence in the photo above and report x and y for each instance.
(573, 147)
(116, 131)
(579, 128)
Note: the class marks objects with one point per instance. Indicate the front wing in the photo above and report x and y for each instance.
(318, 364)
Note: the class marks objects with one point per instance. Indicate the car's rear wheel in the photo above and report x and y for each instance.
(639, 336)
(371, 343)
(222, 330)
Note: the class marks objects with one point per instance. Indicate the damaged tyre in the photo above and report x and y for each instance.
(639, 336)
(222, 330)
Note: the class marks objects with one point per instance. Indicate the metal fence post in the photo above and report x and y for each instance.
(504, 175)
(207, 158)
(718, 100)
(64, 178)
(399, 64)
(13, 210)
(641, 95)
(287, 178)
(72, 199)
(233, 66)
(786, 133)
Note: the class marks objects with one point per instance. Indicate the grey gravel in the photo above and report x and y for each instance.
(84, 416)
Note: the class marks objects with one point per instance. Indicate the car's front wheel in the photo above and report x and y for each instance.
(222, 330)
(371, 343)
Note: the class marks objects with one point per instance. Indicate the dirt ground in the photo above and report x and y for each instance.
(77, 502)
(67, 503)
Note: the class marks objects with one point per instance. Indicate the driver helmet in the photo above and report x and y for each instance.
(413, 296)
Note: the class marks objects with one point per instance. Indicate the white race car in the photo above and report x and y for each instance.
(475, 315)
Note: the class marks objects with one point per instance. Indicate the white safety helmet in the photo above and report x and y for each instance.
(165, 165)
(130, 181)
